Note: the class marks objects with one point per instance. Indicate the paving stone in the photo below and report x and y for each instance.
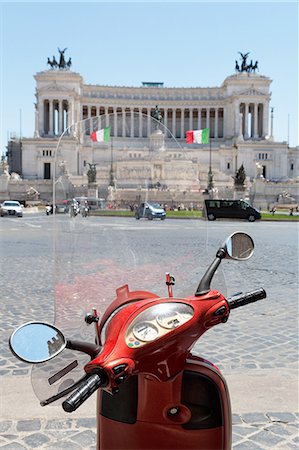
(244, 430)
(29, 425)
(267, 438)
(85, 438)
(254, 418)
(61, 434)
(282, 417)
(86, 423)
(9, 437)
(59, 424)
(5, 425)
(279, 429)
(58, 445)
(236, 419)
(14, 446)
(19, 371)
(247, 445)
(236, 438)
(36, 439)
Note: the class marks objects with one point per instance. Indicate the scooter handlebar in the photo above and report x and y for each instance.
(85, 390)
(244, 299)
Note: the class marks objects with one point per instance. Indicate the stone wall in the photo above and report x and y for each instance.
(264, 194)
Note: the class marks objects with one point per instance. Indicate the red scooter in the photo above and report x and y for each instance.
(152, 392)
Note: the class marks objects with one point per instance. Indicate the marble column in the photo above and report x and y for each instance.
(237, 120)
(106, 116)
(115, 121)
(165, 120)
(216, 124)
(132, 123)
(190, 118)
(148, 121)
(36, 131)
(241, 118)
(43, 120)
(265, 120)
(140, 122)
(207, 117)
(246, 122)
(60, 117)
(51, 118)
(71, 118)
(199, 119)
(182, 123)
(123, 114)
(89, 121)
(174, 122)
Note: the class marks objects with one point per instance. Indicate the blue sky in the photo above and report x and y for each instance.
(125, 43)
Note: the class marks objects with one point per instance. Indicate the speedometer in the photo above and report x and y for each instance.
(170, 319)
(145, 331)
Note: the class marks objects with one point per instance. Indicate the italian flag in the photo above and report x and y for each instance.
(198, 136)
(102, 135)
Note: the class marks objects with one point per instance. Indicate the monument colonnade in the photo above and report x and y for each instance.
(177, 119)
(251, 119)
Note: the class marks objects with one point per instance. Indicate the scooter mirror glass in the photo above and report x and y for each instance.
(35, 342)
(240, 246)
(135, 176)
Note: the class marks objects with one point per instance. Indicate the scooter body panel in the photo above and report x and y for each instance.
(189, 411)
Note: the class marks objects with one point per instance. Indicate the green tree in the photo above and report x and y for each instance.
(240, 177)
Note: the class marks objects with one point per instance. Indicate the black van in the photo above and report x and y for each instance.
(230, 209)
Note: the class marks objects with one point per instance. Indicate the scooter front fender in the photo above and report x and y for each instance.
(191, 411)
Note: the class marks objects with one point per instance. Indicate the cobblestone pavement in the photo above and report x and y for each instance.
(254, 340)
(251, 431)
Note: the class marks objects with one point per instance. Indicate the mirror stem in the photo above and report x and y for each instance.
(205, 283)
(86, 347)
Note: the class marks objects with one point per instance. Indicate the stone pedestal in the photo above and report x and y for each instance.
(93, 190)
(157, 141)
(239, 193)
(64, 188)
(111, 197)
(257, 194)
(4, 180)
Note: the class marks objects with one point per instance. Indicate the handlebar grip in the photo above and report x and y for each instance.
(85, 390)
(244, 299)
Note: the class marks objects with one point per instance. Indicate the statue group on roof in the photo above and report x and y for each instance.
(244, 67)
(62, 64)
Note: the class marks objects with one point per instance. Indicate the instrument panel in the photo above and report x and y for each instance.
(157, 321)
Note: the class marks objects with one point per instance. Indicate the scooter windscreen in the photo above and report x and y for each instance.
(122, 185)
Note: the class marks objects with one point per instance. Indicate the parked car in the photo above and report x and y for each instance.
(11, 208)
(230, 209)
(61, 208)
(150, 211)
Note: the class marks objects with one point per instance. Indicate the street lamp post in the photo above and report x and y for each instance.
(210, 173)
(111, 174)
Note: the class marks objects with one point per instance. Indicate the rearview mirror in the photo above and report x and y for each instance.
(239, 246)
(36, 342)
